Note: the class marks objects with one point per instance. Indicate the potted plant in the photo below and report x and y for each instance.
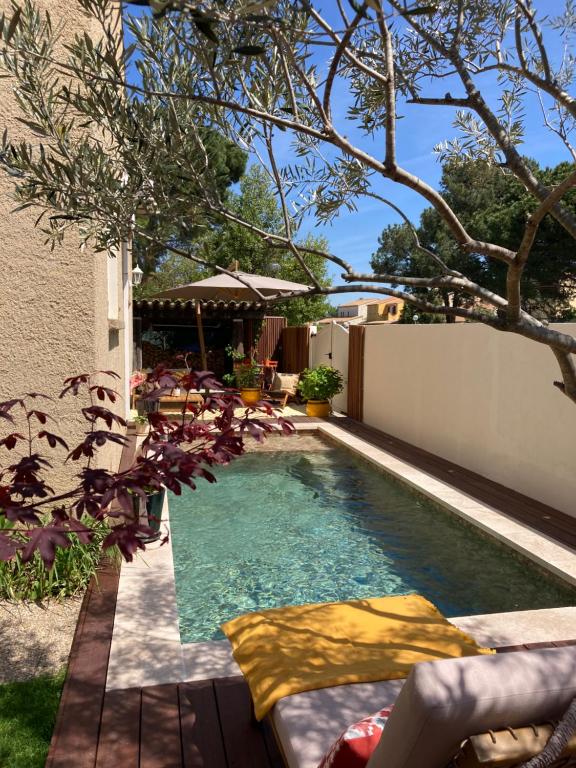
(317, 387)
(149, 512)
(141, 424)
(248, 382)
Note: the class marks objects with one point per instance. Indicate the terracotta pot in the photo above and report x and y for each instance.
(250, 395)
(320, 409)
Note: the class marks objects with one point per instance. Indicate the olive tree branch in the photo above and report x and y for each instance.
(528, 12)
(516, 269)
(336, 59)
(495, 128)
(285, 213)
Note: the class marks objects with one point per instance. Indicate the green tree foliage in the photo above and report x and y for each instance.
(493, 206)
(276, 73)
(227, 243)
(167, 271)
(257, 204)
(164, 270)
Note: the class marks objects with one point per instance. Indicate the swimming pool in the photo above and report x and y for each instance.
(291, 527)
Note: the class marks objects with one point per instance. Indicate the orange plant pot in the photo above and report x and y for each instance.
(319, 409)
(250, 395)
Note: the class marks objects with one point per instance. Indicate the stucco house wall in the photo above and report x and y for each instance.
(482, 399)
(54, 306)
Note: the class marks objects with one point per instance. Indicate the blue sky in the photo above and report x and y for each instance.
(354, 236)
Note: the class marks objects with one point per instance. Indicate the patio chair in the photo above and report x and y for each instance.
(284, 388)
(437, 709)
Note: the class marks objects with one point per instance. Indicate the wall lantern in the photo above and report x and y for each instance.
(137, 275)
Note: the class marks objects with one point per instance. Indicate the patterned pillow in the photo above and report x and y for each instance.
(355, 746)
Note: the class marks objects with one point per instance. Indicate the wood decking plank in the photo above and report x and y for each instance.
(243, 738)
(160, 739)
(510, 648)
(202, 745)
(272, 748)
(119, 743)
(75, 738)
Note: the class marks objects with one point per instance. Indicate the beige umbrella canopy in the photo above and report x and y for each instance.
(224, 287)
(239, 286)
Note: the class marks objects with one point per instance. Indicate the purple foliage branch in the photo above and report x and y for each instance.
(176, 453)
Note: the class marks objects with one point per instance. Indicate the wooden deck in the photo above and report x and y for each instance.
(192, 725)
(208, 724)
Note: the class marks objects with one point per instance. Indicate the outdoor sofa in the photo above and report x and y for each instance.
(435, 709)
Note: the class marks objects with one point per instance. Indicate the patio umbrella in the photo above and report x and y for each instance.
(224, 287)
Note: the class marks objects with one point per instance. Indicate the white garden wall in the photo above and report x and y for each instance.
(477, 397)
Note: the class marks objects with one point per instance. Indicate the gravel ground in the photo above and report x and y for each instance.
(35, 639)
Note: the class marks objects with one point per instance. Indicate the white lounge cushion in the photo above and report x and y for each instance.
(444, 702)
(307, 724)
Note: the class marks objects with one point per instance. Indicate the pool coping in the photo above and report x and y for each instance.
(557, 558)
(146, 645)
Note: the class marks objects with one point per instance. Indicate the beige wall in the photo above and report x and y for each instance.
(53, 305)
(480, 398)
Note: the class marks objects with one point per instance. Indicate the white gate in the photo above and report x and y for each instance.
(330, 347)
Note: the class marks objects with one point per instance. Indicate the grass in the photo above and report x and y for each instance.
(27, 717)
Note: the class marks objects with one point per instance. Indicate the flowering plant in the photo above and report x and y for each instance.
(137, 378)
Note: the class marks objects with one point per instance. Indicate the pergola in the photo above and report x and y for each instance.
(235, 323)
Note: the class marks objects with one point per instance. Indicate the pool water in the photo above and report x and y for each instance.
(289, 528)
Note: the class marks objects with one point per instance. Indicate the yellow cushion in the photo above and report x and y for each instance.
(305, 647)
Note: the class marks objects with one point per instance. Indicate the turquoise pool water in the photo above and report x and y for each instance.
(290, 528)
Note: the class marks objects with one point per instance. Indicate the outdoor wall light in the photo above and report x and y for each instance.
(137, 275)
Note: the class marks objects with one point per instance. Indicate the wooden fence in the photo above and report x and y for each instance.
(268, 346)
(295, 349)
(355, 408)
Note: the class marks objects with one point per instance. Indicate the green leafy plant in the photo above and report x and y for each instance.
(229, 380)
(140, 419)
(320, 383)
(248, 375)
(235, 354)
(73, 567)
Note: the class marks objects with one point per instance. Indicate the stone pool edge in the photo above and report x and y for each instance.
(146, 645)
(541, 549)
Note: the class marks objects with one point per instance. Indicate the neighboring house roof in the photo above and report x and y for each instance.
(360, 302)
(338, 319)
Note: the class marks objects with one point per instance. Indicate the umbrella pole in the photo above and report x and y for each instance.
(201, 336)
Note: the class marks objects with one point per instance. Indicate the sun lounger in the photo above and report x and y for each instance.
(440, 705)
